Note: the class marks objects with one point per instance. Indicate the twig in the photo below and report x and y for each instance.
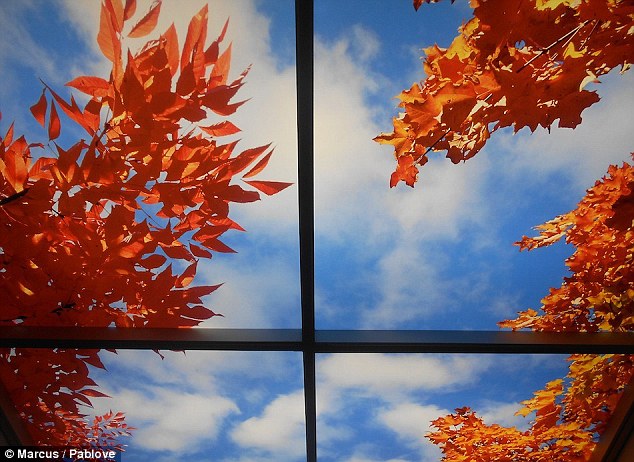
(570, 34)
(436, 142)
(13, 197)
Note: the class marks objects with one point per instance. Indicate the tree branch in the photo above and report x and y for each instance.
(13, 197)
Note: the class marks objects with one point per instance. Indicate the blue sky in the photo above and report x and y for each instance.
(439, 256)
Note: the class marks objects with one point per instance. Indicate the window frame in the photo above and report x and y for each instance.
(310, 341)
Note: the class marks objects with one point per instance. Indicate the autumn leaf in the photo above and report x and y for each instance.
(146, 24)
(54, 125)
(92, 86)
(107, 36)
(269, 187)
(221, 129)
(39, 109)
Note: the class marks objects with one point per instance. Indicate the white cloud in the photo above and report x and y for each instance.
(494, 412)
(411, 421)
(183, 402)
(279, 431)
(395, 384)
(171, 420)
(582, 155)
(391, 376)
(260, 290)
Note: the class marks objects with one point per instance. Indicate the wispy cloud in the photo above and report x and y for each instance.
(410, 422)
(174, 421)
(279, 431)
(386, 391)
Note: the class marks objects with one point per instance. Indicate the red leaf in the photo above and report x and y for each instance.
(153, 261)
(72, 111)
(245, 158)
(221, 129)
(83, 399)
(218, 246)
(147, 22)
(93, 86)
(199, 251)
(269, 187)
(94, 360)
(54, 125)
(39, 109)
(186, 81)
(261, 165)
(93, 393)
(171, 48)
(177, 251)
(222, 66)
(188, 275)
(196, 35)
(41, 168)
(199, 312)
(8, 138)
(129, 10)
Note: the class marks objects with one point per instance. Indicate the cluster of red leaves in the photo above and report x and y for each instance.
(50, 386)
(598, 296)
(526, 65)
(109, 231)
(520, 64)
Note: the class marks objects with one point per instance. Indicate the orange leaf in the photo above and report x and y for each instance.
(130, 250)
(54, 125)
(222, 66)
(14, 169)
(147, 22)
(39, 109)
(41, 168)
(269, 187)
(115, 7)
(107, 36)
(129, 10)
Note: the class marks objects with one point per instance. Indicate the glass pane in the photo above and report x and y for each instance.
(194, 404)
(440, 255)
(379, 407)
(61, 42)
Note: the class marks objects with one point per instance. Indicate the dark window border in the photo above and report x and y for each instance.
(310, 341)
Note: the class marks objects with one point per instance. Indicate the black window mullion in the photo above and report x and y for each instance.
(304, 27)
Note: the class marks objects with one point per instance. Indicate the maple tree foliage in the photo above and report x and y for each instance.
(527, 64)
(598, 296)
(109, 231)
(519, 64)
